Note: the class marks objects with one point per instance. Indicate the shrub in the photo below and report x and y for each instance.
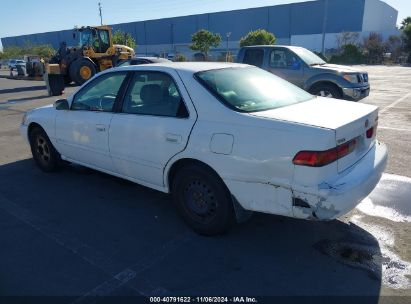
(350, 54)
(180, 58)
(258, 37)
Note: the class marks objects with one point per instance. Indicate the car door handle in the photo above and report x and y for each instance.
(101, 128)
(175, 138)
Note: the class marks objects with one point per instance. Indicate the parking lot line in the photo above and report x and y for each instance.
(394, 129)
(395, 103)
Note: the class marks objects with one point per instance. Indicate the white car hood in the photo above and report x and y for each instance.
(320, 112)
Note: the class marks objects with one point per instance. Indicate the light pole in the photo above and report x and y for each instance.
(325, 19)
(101, 15)
(227, 35)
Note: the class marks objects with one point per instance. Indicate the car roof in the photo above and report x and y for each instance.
(192, 67)
(152, 59)
(272, 46)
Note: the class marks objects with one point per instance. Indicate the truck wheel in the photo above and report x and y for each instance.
(67, 80)
(44, 153)
(81, 70)
(55, 84)
(326, 90)
(202, 200)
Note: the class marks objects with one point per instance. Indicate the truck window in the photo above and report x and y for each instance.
(254, 57)
(282, 59)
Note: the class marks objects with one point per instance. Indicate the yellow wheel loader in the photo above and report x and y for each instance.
(95, 52)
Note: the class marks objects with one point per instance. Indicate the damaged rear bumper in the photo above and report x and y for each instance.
(333, 199)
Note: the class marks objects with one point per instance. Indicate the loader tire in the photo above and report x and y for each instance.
(82, 70)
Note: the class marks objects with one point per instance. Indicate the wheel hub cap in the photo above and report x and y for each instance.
(200, 200)
(325, 94)
(43, 150)
(85, 72)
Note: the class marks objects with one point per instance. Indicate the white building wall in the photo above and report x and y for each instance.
(379, 16)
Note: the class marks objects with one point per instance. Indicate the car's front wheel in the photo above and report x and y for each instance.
(203, 200)
(44, 153)
(326, 90)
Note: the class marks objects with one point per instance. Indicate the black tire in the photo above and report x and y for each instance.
(75, 71)
(326, 90)
(56, 85)
(202, 200)
(44, 153)
(67, 80)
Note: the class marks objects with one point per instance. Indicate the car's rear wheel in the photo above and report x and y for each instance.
(44, 153)
(326, 90)
(203, 200)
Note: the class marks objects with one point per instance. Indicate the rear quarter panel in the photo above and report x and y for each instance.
(259, 171)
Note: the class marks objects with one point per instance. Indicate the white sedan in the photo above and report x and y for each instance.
(224, 139)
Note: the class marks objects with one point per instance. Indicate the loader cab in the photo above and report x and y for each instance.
(96, 38)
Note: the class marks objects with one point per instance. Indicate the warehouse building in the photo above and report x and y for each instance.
(313, 24)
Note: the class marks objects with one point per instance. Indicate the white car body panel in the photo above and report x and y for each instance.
(252, 153)
(142, 145)
(83, 136)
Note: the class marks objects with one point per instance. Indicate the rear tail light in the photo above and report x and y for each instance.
(371, 132)
(322, 158)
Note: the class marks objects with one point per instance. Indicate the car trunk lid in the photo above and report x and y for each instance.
(349, 120)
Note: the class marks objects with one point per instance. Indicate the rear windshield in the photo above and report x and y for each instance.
(251, 89)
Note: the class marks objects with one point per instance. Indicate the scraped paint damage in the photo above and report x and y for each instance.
(316, 207)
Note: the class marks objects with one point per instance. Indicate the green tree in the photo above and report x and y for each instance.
(43, 50)
(258, 37)
(374, 48)
(394, 46)
(203, 40)
(180, 58)
(405, 22)
(406, 37)
(123, 38)
(349, 54)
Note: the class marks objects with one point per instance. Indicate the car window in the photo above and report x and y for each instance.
(100, 94)
(154, 93)
(142, 61)
(283, 59)
(125, 63)
(104, 38)
(254, 57)
(251, 89)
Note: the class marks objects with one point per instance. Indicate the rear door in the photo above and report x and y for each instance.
(154, 125)
(254, 56)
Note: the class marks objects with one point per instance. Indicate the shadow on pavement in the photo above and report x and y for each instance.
(23, 89)
(18, 100)
(268, 255)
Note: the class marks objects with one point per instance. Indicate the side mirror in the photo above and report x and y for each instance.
(74, 35)
(61, 104)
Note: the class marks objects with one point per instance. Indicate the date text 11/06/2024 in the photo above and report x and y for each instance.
(203, 300)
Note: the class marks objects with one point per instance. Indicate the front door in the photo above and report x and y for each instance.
(82, 132)
(285, 64)
(153, 126)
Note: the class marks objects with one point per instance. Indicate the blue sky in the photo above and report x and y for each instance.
(34, 16)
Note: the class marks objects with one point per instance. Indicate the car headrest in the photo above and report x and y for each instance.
(151, 93)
